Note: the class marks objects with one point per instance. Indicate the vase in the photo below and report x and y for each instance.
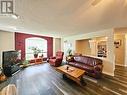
(42, 55)
(35, 55)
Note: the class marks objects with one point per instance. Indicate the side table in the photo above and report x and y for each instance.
(36, 60)
(2, 77)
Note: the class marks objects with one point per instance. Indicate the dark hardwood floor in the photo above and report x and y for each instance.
(45, 80)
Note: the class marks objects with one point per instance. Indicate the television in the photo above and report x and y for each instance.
(11, 59)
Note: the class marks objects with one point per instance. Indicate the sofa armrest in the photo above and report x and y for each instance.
(98, 68)
(98, 71)
(58, 59)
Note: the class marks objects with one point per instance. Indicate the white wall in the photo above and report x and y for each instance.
(7, 42)
(108, 62)
(125, 62)
(120, 51)
(56, 45)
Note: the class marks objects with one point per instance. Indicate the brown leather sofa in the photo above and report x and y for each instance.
(92, 66)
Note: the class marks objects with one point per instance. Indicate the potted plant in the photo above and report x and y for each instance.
(69, 55)
(35, 50)
(69, 52)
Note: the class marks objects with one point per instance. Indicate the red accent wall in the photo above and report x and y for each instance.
(20, 43)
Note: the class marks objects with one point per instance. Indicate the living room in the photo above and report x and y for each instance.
(93, 30)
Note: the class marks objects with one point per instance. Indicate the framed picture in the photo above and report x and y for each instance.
(117, 43)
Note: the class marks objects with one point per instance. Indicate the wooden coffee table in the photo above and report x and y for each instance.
(73, 73)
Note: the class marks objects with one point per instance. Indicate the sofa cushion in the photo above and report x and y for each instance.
(91, 61)
(72, 63)
(87, 60)
(81, 59)
(77, 58)
(86, 67)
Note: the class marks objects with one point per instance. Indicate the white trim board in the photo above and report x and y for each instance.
(107, 73)
(121, 65)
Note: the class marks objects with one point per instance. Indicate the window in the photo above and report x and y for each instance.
(35, 42)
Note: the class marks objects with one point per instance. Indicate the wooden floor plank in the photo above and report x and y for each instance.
(43, 79)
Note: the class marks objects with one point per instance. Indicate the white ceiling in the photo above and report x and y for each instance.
(61, 18)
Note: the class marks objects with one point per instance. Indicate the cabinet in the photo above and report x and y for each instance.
(36, 60)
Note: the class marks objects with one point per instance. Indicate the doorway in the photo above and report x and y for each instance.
(120, 48)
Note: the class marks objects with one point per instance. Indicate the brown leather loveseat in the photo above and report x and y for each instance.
(92, 66)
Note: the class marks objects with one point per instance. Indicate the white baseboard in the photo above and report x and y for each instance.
(107, 73)
(121, 65)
